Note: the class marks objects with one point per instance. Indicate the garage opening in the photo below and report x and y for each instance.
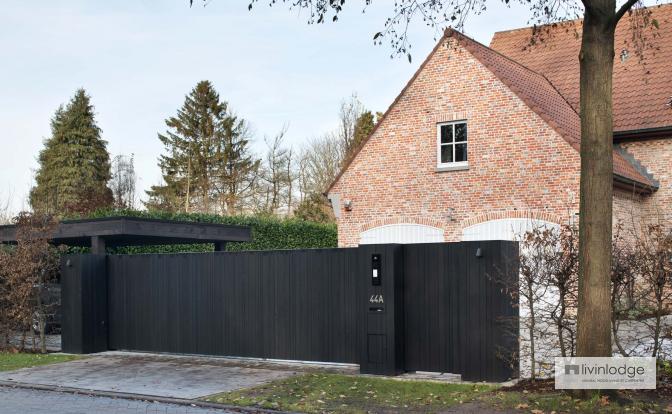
(405, 233)
(504, 229)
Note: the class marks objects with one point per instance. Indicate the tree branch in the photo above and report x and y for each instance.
(624, 9)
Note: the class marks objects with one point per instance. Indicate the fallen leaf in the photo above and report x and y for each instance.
(604, 400)
(522, 407)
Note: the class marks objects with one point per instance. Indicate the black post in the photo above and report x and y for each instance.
(97, 245)
(382, 313)
(84, 303)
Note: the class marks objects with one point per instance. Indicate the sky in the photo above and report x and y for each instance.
(139, 58)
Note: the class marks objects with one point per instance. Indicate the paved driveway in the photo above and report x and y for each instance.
(19, 401)
(147, 374)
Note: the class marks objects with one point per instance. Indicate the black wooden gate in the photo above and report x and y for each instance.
(281, 304)
(457, 318)
(313, 305)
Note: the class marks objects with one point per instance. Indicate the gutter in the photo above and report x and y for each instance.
(629, 184)
(643, 134)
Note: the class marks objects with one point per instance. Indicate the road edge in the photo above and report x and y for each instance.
(140, 397)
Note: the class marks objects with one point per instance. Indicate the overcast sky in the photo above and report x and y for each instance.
(138, 58)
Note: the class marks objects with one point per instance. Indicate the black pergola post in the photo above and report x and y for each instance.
(97, 245)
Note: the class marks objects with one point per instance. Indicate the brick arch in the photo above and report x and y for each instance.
(512, 214)
(403, 220)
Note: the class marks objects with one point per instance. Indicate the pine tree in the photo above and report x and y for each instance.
(74, 164)
(207, 159)
(238, 172)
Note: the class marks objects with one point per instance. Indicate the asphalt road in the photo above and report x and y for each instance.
(19, 401)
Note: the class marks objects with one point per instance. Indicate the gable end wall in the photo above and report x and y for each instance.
(518, 165)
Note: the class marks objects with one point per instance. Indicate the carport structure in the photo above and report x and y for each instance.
(110, 232)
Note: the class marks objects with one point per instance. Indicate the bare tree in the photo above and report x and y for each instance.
(123, 182)
(562, 277)
(6, 209)
(623, 280)
(536, 248)
(25, 272)
(350, 111)
(275, 176)
(320, 163)
(654, 266)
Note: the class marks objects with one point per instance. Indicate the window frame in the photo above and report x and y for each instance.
(439, 145)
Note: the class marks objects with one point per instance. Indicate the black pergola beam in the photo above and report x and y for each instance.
(132, 231)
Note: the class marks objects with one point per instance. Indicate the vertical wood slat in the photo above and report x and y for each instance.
(454, 308)
(304, 305)
(281, 304)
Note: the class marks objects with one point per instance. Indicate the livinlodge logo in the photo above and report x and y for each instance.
(605, 373)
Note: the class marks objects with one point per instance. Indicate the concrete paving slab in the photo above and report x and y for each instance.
(164, 376)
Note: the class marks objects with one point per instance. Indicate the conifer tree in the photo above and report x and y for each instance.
(74, 165)
(363, 126)
(207, 162)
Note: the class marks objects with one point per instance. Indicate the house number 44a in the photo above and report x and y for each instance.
(376, 299)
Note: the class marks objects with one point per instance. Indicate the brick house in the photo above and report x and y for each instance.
(483, 141)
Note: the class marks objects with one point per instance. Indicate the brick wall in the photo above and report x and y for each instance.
(518, 165)
(656, 156)
(627, 213)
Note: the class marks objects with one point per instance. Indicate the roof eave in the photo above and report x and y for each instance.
(643, 134)
(629, 184)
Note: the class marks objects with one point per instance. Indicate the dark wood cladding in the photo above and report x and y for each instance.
(449, 314)
(133, 231)
(84, 303)
(457, 318)
(299, 305)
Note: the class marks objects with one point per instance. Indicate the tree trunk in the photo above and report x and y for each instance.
(532, 326)
(560, 325)
(186, 198)
(596, 68)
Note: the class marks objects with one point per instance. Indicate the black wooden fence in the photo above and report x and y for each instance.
(280, 304)
(313, 305)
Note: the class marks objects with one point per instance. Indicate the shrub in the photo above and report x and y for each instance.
(268, 232)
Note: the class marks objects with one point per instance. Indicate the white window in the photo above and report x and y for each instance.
(451, 142)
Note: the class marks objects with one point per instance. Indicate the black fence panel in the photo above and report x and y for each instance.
(430, 307)
(84, 303)
(281, 304)
(458, 318)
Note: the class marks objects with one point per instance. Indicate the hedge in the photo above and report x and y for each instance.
(268, 233)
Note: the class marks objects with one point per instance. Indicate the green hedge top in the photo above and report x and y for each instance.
(268, 233)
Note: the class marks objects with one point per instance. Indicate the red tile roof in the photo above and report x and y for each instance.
(642, 90)
(544, 99)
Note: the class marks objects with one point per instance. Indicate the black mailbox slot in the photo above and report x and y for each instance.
(376, 274)
(376, 309)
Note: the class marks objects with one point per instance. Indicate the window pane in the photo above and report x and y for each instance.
(460, 152)
(446, 153)
(446, 134)
(460, 132)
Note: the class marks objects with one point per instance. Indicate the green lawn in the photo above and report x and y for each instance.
(11, 361)
(561, 402)
(317, 393)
